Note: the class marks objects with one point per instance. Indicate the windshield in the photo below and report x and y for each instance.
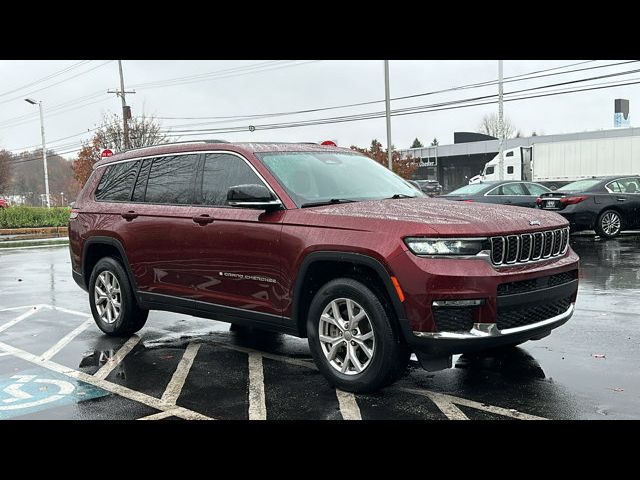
(579, 186)
(470, 189)
(315, 177)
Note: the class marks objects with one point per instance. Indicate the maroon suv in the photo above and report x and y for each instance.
(318, 242)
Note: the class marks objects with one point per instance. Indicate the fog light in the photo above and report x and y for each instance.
(458, 303)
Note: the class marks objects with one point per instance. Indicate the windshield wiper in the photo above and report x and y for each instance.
(333, 201)
(399, 195)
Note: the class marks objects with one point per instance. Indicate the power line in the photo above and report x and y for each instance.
(313, 110)
(48, 77)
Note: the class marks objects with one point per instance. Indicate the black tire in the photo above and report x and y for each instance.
(390, 354)
(131, 317)
(603, 219)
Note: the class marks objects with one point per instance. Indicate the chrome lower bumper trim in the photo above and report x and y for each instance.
(481, 330)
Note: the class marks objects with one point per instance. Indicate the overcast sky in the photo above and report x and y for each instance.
(75, 98)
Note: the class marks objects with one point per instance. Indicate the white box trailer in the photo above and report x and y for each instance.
(567, 161)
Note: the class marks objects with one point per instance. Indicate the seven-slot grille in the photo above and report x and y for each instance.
(528, 247)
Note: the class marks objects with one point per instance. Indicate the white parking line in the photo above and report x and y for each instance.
(257, 403)
(449, 409)
(23, 307)
(66, 310)
(477, 405)
(172, 392)
(160, 415)
(64, 341)
(114, 361)
(348, 405)
(18, 319)
(104, 384)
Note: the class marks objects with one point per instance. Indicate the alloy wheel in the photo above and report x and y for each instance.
(107, 297)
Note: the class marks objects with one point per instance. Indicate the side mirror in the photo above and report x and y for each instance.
(252, 196)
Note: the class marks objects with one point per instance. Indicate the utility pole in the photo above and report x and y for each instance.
(44, 148)
(387, 102)
(500, 123)
(126, 111)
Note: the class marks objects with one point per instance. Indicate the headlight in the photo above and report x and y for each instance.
(445, 246)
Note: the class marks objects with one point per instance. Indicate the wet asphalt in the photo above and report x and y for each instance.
(56, 364)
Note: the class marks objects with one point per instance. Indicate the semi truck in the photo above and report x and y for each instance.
(557, 163)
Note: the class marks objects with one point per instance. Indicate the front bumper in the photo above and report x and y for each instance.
(485, 336)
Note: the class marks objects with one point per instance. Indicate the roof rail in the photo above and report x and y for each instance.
(174, 143)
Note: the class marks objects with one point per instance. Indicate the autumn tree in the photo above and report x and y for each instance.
(6, 160)
(417, 143)
(489, 126)
(405, 167)
(143, 132)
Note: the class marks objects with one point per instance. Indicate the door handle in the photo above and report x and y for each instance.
(203, 219)
(621, 199)
(130, 215)
(507, 202)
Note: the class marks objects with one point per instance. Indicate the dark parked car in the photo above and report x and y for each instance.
(415, 185)
(281, 237)
(508, 192)
(607, 205)
(430, 187)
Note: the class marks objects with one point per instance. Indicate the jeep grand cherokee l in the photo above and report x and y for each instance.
(318, 242)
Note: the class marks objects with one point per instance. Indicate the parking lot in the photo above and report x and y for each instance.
(56, 364)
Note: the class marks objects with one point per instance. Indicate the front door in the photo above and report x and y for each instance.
(237, 249)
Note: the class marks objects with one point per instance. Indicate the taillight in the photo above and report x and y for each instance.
(538, 201)
(74, 213)
(573, 200)
(468, 200)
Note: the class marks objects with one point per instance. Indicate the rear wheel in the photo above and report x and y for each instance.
(609, 224)
(351, 338)
(112, 301)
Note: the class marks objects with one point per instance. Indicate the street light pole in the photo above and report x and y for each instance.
(387, 101)
(500, 123)
(44, 149)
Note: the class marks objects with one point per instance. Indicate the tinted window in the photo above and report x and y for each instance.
(141, 182)
(509, 169)
(630, 185)
(221, 172)
(579, 186)
(489, 171)
(535, 189)
(171, 180)
(614, 187)
(117, 181)
(513, 189)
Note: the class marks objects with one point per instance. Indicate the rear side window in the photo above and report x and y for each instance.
(171, 180)
(509, 169)
(117, 181)
(141, 182)
(221, 172)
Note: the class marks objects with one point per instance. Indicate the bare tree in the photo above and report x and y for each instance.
(6, 160)
(489, 126)
(143, 132)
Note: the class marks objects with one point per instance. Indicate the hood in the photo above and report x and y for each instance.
(430, 215)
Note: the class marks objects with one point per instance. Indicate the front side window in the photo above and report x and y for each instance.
(171, 180)
(221, 172)
(489, 171)
(117, 181)
(310, 177)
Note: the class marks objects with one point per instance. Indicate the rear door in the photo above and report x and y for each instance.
(158, 236)
(625, 194)
(237, 249)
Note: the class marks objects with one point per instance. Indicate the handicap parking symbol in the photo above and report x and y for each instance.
(34, 390)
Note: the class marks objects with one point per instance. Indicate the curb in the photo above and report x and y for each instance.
(59, 231)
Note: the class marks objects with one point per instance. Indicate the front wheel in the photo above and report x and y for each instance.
(112, 301)
(609, 224)
(351, 338)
